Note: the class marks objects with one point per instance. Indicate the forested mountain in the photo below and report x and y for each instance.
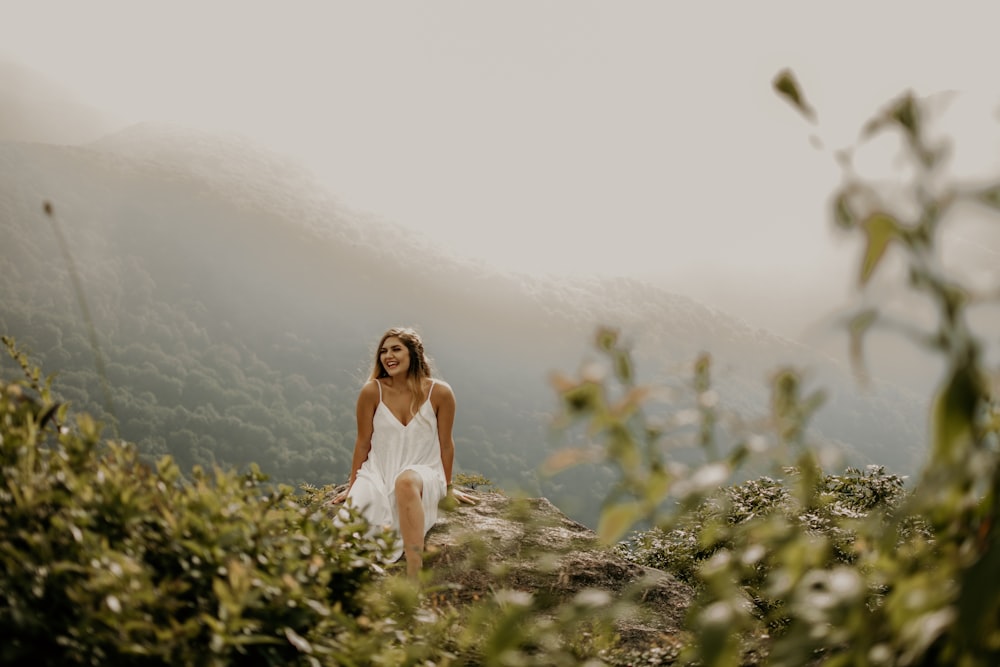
(237, 304)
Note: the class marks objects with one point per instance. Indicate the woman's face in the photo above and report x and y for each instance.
(395, 357)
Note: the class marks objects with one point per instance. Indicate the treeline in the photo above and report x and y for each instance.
(207, 402)
(214, 403)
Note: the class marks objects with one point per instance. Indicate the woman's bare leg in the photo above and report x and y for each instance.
(409, 488)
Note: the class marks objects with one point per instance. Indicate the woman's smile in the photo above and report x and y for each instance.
(395, 356)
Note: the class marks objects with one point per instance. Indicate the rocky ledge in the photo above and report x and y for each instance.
(529, 545)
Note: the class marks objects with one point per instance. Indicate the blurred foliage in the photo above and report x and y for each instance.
(107, 560)
(803, 566)
(845, 501)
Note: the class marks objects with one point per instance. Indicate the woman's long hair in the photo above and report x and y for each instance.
(420, 366)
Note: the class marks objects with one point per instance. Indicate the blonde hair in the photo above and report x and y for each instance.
(420, 366)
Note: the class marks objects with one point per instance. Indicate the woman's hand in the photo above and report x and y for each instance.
(461, 496)
(340, 497)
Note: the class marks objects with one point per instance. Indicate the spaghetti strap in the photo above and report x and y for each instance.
(431, 390)
(379, 389)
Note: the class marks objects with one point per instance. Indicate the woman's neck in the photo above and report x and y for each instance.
(401, 385)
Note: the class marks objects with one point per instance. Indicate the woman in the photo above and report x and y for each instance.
(404, 451)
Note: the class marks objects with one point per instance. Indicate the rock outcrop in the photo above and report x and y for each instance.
(529, 545)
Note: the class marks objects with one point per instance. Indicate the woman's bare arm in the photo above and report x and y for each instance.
(446, 422)
(365, 413)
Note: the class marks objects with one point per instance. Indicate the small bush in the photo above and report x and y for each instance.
(105, 560)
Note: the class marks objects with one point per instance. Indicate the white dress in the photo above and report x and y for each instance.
(395, 449)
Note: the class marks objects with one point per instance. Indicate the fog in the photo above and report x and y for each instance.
(252, 194)
(558, 138)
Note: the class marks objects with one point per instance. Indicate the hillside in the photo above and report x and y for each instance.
(34, 109)
(236, 302)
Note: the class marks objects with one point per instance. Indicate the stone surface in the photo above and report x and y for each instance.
(530, 545)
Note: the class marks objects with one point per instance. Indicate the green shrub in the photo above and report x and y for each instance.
(105, 560)
(847, 502)
(474, 480)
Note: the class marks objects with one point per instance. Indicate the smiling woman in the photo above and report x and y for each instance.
(404, 451)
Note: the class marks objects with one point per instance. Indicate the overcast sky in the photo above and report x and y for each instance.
(563, 137)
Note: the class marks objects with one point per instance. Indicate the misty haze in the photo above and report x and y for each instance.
(236, 299)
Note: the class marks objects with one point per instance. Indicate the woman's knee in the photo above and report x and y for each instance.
(409, 484)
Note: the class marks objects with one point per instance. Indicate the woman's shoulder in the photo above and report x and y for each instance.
(370, 390)
(442, 388)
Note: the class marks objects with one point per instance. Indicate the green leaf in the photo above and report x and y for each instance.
(843, 216)
(906, 112)
(857, 328)
(617, 520)
(989, 196)
(583, 398)
(657, 486)
(703, 372)
(879, 229)
(622, 448)
(607, 338)
(717, 642)
(623, 367)
(954, 415)
(784, 84)
(980, 593)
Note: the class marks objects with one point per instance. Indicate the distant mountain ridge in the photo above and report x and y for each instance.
(237, 301)
(33, 109)
(249, 175)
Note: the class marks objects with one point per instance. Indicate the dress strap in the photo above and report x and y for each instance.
(379, 389)
(431, 390)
